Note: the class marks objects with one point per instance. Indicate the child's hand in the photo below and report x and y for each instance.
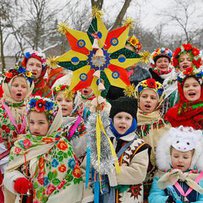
(22, 185)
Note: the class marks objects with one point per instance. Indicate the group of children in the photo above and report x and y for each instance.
(156, 134)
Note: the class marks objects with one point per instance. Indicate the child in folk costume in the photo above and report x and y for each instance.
(17, 87)
(180, 161)
(186, 56)
(42, 166)
(162, 71)
(189, 109)
(36, 63)
(151, 125)
(132, 152)
(73, 124)
(161, 64)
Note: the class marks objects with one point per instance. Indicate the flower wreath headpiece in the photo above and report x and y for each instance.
(184, 49)
(18, 70)
(34, 54)
(135, 43)
(191, 72)
(166, 52)
(41, 104)
(149, 84)
(67, 92)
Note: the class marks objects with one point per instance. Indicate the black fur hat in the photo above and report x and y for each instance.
(124, 104)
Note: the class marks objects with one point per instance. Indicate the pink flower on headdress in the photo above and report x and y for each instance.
(151, 83)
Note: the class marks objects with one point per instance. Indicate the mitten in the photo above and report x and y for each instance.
(22, 185)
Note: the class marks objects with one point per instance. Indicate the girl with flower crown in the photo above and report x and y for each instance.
(36, 63)
(189, 109)
(73, 124)
(151, 126)
(42, 166)
(180, 163)
(17, 86)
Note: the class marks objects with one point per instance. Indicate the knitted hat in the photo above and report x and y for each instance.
(124, 104)
(161, 52)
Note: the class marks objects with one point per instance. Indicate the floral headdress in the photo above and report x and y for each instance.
(191, 72)
(184, 49)
(46, 105)
(149, 84)
(19, 70)
(34, 54)
(135, 43)
(160, 52)
(67, 93)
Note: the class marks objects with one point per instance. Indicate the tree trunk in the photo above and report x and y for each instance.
(97, 3)
(2, 50)
(121, 14)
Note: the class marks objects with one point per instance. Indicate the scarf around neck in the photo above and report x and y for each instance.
(132, 128)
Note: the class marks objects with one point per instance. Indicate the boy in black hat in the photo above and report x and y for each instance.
(132, 152)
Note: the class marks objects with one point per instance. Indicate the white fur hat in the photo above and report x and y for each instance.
(182, 139)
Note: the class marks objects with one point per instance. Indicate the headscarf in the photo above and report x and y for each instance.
(15, 111)
(187, 113)
(56, 168)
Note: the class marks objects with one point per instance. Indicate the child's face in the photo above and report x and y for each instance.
(185, 61)
(86, 91)
(181, 160)
(38, 123)
(191, 89)
(18, 89)
(122, 122)
(66, 104)
(162, 63)
(148, 100)
(35, 66)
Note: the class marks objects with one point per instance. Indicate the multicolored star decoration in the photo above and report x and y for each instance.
(97, 58)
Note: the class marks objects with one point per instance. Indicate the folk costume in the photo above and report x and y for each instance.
(151, 126)
(175, 185)
(47, 162)
(165, 77)
(73, 125)
(12, 114)
(132, 152)
(187, 113)
(41, 87)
